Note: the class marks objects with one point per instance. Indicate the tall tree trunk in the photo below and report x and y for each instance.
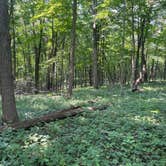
(143, 62)
(143, 56)
(13, 37)
(152, 71)
(165, 69)
(122, 64)
(156, 68)
(54, 50)
(133, 62)
(27, 53)
(95, 49)
(37, 61)
(9, 113)
(37, 58)
(72, 51)
(48, 80)
(62, 63)
(139, 41)
(90, 75)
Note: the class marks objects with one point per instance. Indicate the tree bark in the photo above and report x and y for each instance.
(37, 49)
(95, 50)
(13, 38)
(72, 51)
(9, 113)
(133, 62)
(144, 31)
(122, 65)
(152, 71)
(164, 69)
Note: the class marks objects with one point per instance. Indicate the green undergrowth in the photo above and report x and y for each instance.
(130, 132)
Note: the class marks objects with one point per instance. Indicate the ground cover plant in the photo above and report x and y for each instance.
(131, 131)
(99, 65)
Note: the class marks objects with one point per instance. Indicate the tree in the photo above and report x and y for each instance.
(72, 51)
(95, 44)
(13, 36)
(117, 40)
(37, 50)
(7, 88)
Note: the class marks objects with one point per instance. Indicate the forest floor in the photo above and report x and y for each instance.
(130, 132)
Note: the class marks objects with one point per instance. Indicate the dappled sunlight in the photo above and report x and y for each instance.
(29, 107)
(130, 129)
(155, 87)
(146, 119)
(76, 102)
(83, 83)
(155, 111)
(35, 138)
(27, 115)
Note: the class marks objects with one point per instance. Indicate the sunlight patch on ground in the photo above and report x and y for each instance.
(28, 115)
(131, 130)
(148, 119)
(35, 138)
(155, 111)
(153, 88)
(77, 102)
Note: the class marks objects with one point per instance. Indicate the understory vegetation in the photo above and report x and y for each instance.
(82, 82)
(130, 132)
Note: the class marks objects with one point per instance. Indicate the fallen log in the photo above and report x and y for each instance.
(49, 117)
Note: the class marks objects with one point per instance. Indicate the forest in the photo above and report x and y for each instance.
(82, 82)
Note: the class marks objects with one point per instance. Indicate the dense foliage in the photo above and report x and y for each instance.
(56, 54)
(130, 132)
(128, 35)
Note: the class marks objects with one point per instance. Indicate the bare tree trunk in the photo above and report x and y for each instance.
(143, 56)
(165, 69)
(143, 63)
(9, 113)
(90, 76)
(48, 80)
(133, 62)
(156, 68)
(53, 52)
(37, 58)
(13, 38)
(139, 41)
(122, 65)
(28, 55)
(95, 49)
(62, 64)
(152, 71)
(72, 51)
